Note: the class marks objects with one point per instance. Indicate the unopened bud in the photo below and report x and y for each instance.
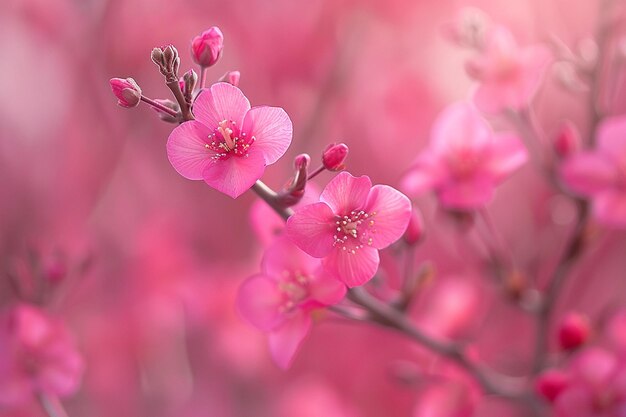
(302, 161)
(167, 60)
(157, 56)
(550, 384)
(567, 141)
(206, 49)
(294, 190)
(127, 91)
(415, 230)
(334, 155)
(231, 77)
(574, 331)
(166, 117)
(190, 79)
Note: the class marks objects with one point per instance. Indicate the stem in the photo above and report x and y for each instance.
(315, 173)
(51, 405)
(271, 198)
(159, 106)
(202, 81)
(180, 98)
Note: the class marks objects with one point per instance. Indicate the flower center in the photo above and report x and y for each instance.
(294, 288)
(227, 140)
(354, 231)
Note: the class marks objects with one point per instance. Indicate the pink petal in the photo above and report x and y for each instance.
(222, 101)
(286, 339)
(282, 255)
(507, 154)
(259, 300)
(272, 129)
(390, 210)
(326, 290)
(460, 127)
(612, 139)
(467, 194)
(234, 175)
(312, 228)
(588, 173)
(610, 208)
(345, 193)
(352, 269)
(426, 173)
(186, 149)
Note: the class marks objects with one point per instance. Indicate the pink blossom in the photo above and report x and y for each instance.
(37, 355)
(282, 297)
(352, 221)
(465, 160)
(229, 144)
(127, 91)
(600, 174)
(206, 49)
(509, 75)
(574, 331)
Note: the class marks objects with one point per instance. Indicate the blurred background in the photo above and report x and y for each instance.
(147, 263)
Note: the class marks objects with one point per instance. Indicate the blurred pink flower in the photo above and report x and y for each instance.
(465, 160)
(37, 355)
(206, 49)
(229, 144)
(349, 225)
(448, 399)
(508, 74)
(600, 174)
(281, 299)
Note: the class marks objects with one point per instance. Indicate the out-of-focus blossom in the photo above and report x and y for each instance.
(469, 29)
(127, 91)
(596, 388)
(349, 225)
(206, 49)
(280, 299)
(600, 174)
(574, 331)
(231, 77)
(37, 356)
(313, 398)
(334, 155)
(229, 144)
(508, 74)
(449, 399)
(415, 230)
(465, 160)
(567, 140)
(551, 383)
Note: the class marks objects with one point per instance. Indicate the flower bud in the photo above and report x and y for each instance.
(567, 141)
(550, 384)
(574, 331)
(334, 155)
(415, 230)
(127, 91)
(294, 190)
(167, 60)
(206, 49)
(190, 79)
(231, 77)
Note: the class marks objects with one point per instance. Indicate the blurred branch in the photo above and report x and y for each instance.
(51, 405)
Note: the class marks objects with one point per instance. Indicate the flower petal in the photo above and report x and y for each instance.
(352, 269)
(588, 173)
(459, 128)
(312, 228)
(234, 175)
(345, 193)
(259, 300)
(612, 139)
(272, 129)
(507, 154)
(467, 194)
(325, 289)
(610, 208)
(282, 255)
(286, 339)
(186, 149)
(222, 101)
(426, 173)
(390, 212)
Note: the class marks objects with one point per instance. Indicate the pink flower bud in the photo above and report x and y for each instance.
(127, 91)
(206, 49)
(231, 77)
(551, 383)
(334, 155)
(301, 161)
(415, 230)
(574, 331)
(567, 141)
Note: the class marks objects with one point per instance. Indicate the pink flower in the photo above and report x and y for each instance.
(508, 75)
(37, 355)
(349, 225)
(465, 160)
(127, 91)
(206, 49)
(281, 299)
(229, 144)
(601, 174)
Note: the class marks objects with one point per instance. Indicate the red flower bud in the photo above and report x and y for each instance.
(127, 91)
(334, 155)
(206, 49)
(415, 229)
(551, 383)
(574, 331)
(567, 140)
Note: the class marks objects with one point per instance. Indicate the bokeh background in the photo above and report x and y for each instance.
(150, 262)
